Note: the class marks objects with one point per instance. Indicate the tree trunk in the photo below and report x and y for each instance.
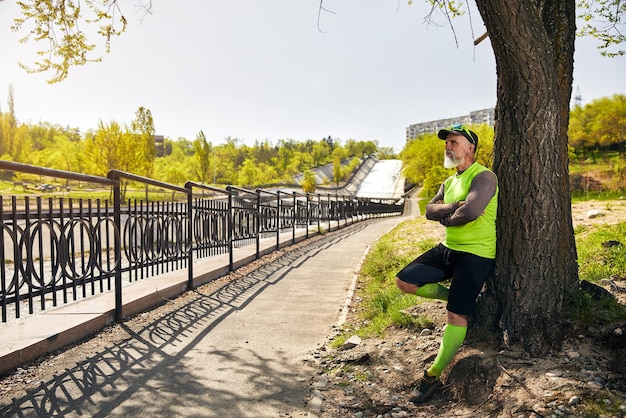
(536, 267)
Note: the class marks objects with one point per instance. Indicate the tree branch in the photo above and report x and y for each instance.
(319, 13)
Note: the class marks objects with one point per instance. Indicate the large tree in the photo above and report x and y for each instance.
(536, 267)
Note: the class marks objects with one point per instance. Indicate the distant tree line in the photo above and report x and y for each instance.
(131, 148)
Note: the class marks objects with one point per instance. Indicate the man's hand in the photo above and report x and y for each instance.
(461, 203)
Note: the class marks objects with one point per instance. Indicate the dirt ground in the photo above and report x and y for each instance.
(374, 379)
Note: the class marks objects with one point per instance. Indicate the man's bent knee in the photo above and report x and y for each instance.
(406, 287)
(457, 319)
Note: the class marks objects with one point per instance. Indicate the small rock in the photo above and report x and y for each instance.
(611, 243)
(594, 385)
(574, 400)
(538, 408)
(425, 332)
(594, 213)
(618, 332)
(352, 342)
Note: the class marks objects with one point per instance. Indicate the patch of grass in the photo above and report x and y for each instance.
(601, 252)
(361, 376)
(601, 195)
(586, 310)
(601, 256)
(605, 404)
(339, 340)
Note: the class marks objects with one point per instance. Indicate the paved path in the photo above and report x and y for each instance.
(236, 351)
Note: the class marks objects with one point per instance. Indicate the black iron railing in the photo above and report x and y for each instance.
(54, 250)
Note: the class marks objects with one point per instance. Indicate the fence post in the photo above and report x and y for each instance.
(231, 224)
(293, 220)
(319, 213)
(190, 236)
(257, 218)
(308, 215)
(117, 220)
(278, 219)
(330, 211)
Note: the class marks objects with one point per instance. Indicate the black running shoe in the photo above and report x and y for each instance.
(425, 389)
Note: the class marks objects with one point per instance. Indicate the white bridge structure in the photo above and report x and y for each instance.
(384, 181)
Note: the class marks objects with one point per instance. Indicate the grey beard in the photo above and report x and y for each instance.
(450, 162)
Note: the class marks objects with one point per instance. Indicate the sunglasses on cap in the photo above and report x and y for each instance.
(465, 132)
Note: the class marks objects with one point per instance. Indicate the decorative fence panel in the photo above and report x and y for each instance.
(55, 250)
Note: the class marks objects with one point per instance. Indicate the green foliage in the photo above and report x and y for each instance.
(434, 177)
(599, 125)
(604, 20)
(113, 147)
(339, 153)
(143, 130)
(58, 24)
(362, 149)
(308, 183)
(132, 149)
(484, 154)
(202, 158)
(420, 155)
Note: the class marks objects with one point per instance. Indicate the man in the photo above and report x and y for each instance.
(466, 204)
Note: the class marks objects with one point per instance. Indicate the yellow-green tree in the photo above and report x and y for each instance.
(143, 132)
(420, 155)
(308, 182)
(599, 124)
(338, 155)
(9, 147)
(202, 156)
(143, 129)
(113, 147)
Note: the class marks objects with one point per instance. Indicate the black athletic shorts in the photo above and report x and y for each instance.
(467, 271)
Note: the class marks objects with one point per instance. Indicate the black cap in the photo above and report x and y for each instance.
(459, 130)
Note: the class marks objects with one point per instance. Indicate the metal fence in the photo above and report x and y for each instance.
(54, 250)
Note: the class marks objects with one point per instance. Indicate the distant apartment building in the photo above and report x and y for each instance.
(474, 118)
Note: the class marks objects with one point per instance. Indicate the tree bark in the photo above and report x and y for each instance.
(536, 266)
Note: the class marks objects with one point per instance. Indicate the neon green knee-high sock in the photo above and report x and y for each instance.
(453, 337)
(432, 291)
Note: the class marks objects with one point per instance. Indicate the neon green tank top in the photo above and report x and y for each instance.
(478, 236)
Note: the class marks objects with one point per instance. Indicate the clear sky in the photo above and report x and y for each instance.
(258, 70)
